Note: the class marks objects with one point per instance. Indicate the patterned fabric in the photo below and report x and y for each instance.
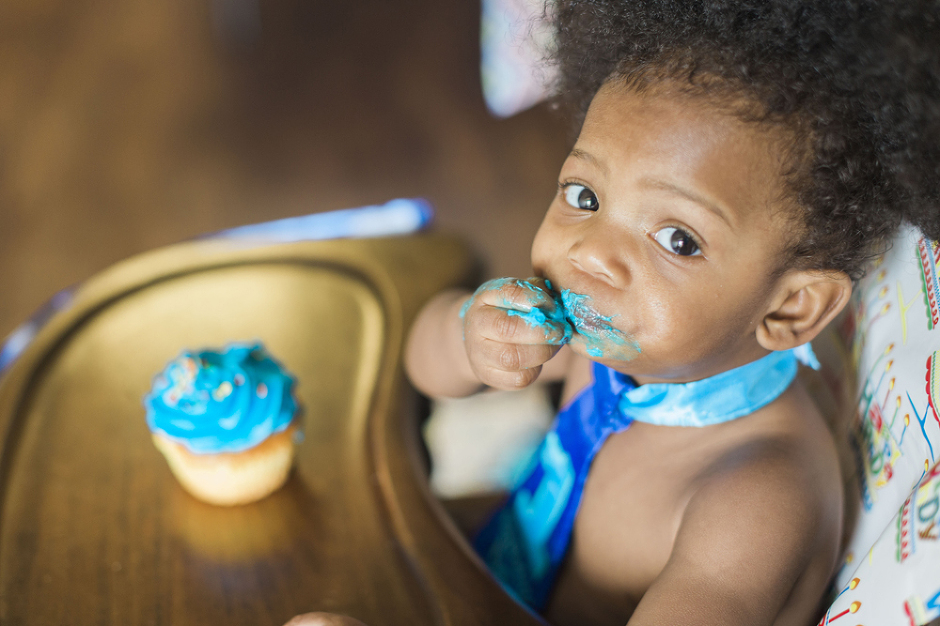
(719, 398)
(525, 541)
(891, 572)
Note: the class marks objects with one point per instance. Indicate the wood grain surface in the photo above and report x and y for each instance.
(131, 124)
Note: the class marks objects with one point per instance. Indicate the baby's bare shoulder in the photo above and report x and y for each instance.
(763, 522)
(769, 486)
(756, 545)
(782, 476)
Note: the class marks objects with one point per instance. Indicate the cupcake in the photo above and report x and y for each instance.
(225, 421)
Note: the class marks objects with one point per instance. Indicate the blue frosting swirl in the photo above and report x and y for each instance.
(228, 401)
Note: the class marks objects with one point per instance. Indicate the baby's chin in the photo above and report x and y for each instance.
(650, 366)
(638, 368)
(606, 345)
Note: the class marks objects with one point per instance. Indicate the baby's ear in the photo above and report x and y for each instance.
(803, 303)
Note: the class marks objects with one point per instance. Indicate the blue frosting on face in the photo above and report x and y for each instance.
(601, 339)
(571, 313)
(229, 401)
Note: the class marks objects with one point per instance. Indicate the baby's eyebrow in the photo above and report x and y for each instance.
(689, 195)
(578, 153)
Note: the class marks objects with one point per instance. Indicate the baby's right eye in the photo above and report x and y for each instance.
(580, 197)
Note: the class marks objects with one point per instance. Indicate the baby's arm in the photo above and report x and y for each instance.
(435, 358)
(493, 343)
(745, 541)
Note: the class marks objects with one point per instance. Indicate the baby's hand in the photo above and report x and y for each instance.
(511, 327)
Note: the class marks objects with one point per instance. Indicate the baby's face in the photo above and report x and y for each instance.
(670, 217)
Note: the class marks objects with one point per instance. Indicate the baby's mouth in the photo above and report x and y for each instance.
(581, 315)
(592, 329)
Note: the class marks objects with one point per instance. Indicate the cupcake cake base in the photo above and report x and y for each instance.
(229, 479)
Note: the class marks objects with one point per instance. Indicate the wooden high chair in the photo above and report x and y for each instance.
(94, 528)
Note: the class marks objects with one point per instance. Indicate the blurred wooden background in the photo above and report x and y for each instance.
(131, 124)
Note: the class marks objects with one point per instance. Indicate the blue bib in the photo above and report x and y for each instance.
(525, 541)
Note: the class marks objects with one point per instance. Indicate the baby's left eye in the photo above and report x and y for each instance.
(580, 197)
(677, 241)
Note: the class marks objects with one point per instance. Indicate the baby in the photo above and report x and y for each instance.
(737, 165)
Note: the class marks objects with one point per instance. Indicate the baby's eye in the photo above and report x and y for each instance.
(580, 197)
(677, 241)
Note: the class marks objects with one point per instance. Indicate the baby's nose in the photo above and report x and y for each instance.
(601, 254)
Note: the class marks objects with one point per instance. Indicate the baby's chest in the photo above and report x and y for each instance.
(631, 509)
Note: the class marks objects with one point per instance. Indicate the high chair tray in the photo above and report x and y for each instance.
(95, 530)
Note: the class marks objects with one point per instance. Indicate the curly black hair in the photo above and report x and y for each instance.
(856, 81)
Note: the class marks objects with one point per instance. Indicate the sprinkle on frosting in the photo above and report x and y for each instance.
(221, 401)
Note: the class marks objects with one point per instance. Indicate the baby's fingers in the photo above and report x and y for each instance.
(508, 365)
(516, 294)
(507, 381)
(501, 366)
(511, 357)
(517, 327)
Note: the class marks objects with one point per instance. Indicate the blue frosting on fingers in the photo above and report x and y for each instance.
(543, 308)
(567, 312)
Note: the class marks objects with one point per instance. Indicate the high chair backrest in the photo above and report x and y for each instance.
(891, 571)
